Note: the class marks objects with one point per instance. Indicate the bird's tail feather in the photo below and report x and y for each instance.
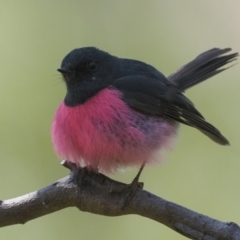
(202, 67)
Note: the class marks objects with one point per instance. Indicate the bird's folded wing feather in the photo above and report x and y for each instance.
(158, 98)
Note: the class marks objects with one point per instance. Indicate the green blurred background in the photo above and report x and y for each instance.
(36, 35)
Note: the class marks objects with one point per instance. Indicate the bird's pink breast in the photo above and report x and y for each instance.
(106, 135)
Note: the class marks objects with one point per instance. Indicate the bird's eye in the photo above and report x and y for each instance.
(92, 66)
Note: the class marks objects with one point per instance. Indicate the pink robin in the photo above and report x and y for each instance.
(119, 113)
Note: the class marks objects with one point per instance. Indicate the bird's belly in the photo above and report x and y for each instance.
(106, 135)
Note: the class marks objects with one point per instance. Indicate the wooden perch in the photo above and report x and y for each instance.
(99, 194)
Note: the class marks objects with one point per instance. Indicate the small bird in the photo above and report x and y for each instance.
(120, 113)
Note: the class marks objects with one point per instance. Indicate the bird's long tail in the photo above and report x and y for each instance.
(202, 67)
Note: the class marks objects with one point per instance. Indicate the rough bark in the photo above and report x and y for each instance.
(99, 194)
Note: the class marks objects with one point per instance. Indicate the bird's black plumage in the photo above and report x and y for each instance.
(201, 68)
(87, 71)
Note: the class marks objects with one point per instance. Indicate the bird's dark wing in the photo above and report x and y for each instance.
(159, 98)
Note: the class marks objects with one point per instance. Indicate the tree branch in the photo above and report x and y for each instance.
(99, 194)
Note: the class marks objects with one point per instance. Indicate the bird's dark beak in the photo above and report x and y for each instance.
(63, 71)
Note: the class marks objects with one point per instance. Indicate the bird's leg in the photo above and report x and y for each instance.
(135, 181)
(133, 187)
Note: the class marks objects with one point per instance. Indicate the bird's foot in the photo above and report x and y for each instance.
(130, 191)
(132, 188)
(78, 173)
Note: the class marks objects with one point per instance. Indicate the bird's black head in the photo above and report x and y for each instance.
(86, 71)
